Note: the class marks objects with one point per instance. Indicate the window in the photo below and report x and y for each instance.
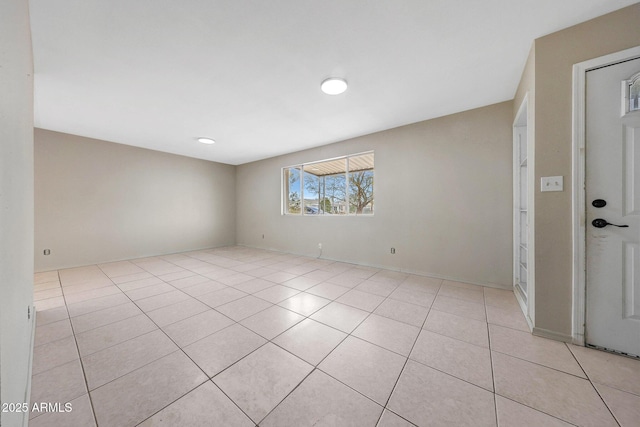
(340, 186)
(632, 94)
(293, 194)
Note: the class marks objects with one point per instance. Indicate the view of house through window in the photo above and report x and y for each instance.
(342, 186)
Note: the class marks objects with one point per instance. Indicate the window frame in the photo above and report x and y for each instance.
(626, 94)
(285, 191)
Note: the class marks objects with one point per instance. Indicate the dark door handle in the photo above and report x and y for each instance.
(602, 223)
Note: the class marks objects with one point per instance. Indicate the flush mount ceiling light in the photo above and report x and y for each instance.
(206, 140)
(334, 86)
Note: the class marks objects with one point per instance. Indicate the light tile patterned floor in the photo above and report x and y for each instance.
(238, 337)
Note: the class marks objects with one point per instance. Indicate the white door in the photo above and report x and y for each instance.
(612, 176)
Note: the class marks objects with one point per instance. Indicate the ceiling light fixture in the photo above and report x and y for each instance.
(334, 86)
(206, 140)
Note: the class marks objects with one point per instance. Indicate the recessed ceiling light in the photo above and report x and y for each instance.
(206, 140)
(334, 86)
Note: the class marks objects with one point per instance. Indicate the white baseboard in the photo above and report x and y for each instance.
(545, 333)
(390, 268)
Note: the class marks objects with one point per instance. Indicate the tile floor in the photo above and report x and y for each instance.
(238, 337)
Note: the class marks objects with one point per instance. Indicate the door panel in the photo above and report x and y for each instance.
(632, 178)
(630, 290)
(613, 174)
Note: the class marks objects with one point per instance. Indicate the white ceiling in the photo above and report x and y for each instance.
(157, 74)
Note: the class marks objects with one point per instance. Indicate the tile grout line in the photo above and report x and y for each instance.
(370, 312)
(395, 385)
(108, 324)
(348, 335)
(174, 401)
(248, 294)
(211, 378)
(146, 364)
(29, 418)
(179, 348)
(541, 365)
(206, 374)
(524, 404)
(392, 319)
(160, 329)
(592, 385)
(538, 364)
(538, 410)
(287, 395)
(315, 367)
(493, 376)
(306, 317)
(605, 403)
(449, 374)
(84, 373)
(189, 357)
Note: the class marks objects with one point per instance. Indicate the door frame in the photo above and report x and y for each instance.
(578, 196)
(523, 120)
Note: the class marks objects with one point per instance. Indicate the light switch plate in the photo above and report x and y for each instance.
(551, 183)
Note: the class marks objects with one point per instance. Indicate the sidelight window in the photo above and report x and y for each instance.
(632, 93)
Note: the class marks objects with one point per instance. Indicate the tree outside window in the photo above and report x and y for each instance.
(341, 186)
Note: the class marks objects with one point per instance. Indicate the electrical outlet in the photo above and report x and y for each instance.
(47, 252)
(319, 245)
(393, 250)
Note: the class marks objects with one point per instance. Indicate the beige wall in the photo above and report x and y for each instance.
(97, 201)
(16, 206)
(443, 200)
(555, 56)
